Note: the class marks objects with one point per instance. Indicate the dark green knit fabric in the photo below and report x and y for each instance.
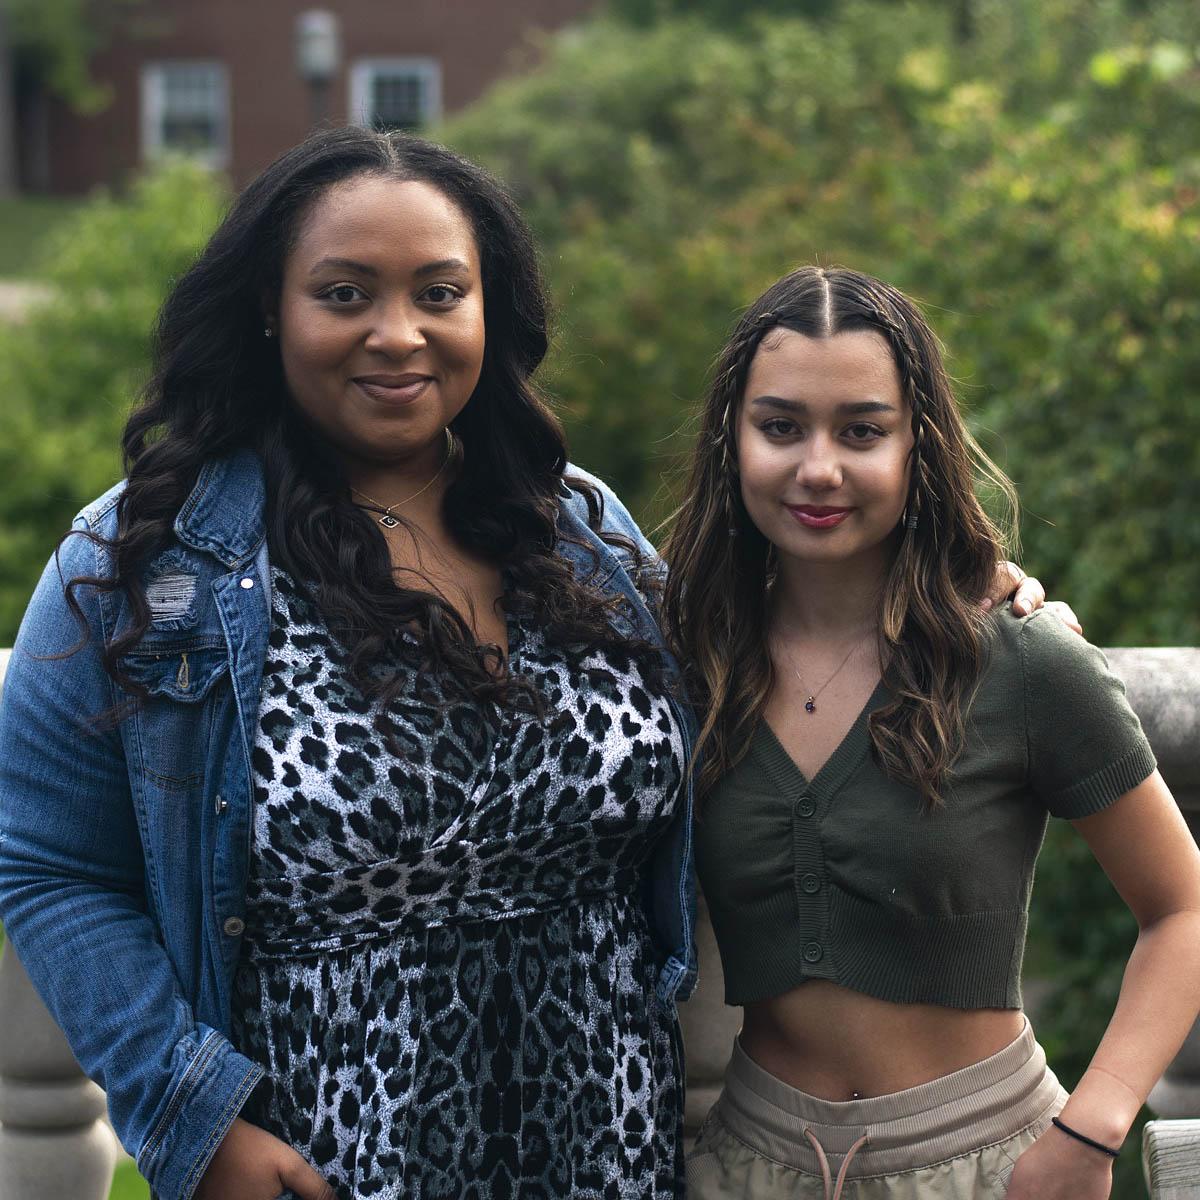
(847, 878)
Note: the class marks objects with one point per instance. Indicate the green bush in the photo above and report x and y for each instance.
(25, 222)
(128, 1184)
(69, 372)
(1036, 186)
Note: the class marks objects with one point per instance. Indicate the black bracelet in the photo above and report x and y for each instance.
(1087, 1141)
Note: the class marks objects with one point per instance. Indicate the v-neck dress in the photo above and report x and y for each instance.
(448, 973)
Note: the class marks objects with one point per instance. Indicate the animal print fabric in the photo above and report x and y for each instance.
(447, 971)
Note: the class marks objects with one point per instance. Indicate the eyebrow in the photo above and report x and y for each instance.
(345, 264)
(853, 408)
(352, 264)
(442, 264)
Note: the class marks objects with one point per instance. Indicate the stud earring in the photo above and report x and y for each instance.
(268, 332)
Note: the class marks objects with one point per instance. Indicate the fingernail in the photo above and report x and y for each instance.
(987, 603)
(1019, 607)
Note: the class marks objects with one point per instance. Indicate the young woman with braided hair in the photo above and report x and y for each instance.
(879, 757)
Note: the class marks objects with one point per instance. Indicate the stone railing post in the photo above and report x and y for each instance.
(54, 1143)
(1171, 1159)
(1164, 688)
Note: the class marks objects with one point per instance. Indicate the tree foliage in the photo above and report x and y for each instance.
(720, 13)
(1036, 186)
(69, 372)
(53, 42)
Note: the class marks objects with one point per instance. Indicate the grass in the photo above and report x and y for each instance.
(128, 1184)
(24, 224)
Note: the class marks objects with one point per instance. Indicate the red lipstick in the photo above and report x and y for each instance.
(818, 516)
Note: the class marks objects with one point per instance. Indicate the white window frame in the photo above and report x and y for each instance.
(154, 107)
(364, 70)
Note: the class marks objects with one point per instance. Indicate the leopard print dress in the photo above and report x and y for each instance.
(447, 971)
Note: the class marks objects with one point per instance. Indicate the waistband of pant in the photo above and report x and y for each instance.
(987, 1102)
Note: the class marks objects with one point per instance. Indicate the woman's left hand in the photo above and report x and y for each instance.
(1056, 1167)
(1027, 595)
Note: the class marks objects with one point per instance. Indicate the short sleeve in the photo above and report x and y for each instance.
(1085, 743)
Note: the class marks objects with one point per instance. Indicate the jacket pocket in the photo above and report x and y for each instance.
(182, 682)
(184, 671)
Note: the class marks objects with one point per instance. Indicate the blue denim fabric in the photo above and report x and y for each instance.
(124, 852)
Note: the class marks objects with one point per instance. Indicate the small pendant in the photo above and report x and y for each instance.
(388, 521)
(810, 705)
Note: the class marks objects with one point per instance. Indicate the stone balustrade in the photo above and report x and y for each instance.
(53, 1144)
(54, 1141)
(1171, 1159)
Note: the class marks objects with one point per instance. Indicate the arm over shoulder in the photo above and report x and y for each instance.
(1085, 743)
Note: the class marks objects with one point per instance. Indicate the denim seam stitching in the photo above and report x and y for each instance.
(207, 1049)
(235, 1102)
(171, 782)
(136, 780)
(94, 513)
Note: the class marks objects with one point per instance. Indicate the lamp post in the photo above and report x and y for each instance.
(318, 55)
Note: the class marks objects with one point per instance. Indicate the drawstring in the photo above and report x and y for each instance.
(841, 1179)
(833, 1191)
(824, 1162)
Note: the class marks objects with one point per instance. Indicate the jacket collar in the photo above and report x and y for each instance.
(224, 513)
(223, 516)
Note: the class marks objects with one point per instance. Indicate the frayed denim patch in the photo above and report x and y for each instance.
(170, 596)
(171, 592)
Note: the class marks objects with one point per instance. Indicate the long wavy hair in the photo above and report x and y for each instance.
(932, 631)
(218, 385)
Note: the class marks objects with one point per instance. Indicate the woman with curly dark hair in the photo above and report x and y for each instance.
(880, 757)
(344, 824)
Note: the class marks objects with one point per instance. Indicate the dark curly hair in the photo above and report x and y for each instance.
(218, 386)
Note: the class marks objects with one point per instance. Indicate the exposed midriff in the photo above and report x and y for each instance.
(832, 1042)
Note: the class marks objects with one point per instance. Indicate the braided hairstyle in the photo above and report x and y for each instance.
(932, 631)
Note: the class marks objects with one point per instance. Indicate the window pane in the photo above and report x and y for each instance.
(192, 106)
(397, 100)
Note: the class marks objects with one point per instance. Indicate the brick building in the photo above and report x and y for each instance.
(219, 79)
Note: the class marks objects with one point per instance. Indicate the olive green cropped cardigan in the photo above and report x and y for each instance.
(847, 877)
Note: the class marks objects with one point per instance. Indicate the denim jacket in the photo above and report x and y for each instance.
(124, 851)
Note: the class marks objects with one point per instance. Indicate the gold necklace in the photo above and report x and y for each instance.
(387, 520)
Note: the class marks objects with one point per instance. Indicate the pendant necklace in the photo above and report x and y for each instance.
(387, 520)
(810, 705)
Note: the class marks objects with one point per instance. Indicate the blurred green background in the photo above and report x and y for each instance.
(1028, 169)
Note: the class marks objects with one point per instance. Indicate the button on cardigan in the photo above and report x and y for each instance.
(847, 877)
